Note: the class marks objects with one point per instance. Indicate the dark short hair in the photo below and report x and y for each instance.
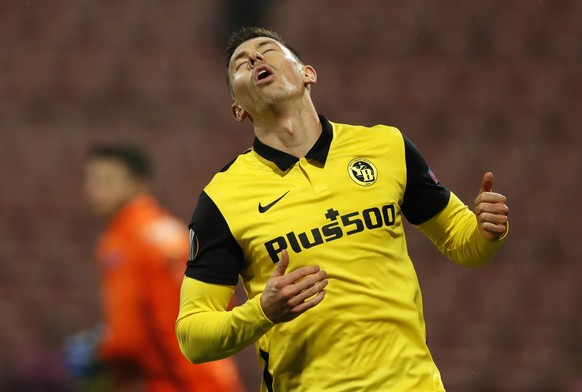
(132, 157)
(247, 33)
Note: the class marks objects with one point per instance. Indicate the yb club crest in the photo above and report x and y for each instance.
(362, 171)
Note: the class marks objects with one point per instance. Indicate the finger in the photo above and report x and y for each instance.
(486, 182)
(494, 228)
(292, 284)
(303, 307)
(497, 219)
(490, 197)
(307, 293)
(281, 266)
(298, 287)
(493, 208)
(301, 273)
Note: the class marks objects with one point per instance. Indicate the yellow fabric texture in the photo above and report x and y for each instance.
(454, 231)
(368, 334)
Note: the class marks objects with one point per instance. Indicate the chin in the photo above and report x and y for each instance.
(279, 95)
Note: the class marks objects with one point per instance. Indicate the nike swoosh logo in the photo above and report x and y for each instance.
(263, 209)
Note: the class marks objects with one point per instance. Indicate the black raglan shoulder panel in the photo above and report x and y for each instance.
(215, 256)
(424, 197)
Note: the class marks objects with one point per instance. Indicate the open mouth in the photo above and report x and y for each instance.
(262, 73)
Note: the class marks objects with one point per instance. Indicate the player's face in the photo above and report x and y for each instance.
(108, 186)
(263, 73)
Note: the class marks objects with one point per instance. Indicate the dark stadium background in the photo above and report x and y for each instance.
(477, 85)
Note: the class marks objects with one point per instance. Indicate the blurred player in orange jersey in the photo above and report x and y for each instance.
(141, 255)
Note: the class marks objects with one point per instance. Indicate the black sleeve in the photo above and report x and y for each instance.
(215, 256)
(424, 196)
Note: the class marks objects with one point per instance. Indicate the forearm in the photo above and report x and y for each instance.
(454, 231)
(206, 331)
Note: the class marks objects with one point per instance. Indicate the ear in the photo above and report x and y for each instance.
(309, 75)
(239, 113)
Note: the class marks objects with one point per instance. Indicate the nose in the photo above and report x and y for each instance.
(255, 58)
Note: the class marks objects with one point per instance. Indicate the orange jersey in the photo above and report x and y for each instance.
(142, 255)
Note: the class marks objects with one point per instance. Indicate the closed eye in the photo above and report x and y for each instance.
(239, 64)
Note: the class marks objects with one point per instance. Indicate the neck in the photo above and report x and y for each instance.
(293, 129)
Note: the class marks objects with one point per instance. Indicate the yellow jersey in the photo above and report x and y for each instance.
(340, 207)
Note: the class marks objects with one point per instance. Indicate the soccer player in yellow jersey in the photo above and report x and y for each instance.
(310, 219)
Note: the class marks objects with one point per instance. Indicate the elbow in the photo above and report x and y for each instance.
(187, 343)
(194, 356)
(195, 359)
(197, 356)
(191, 354)
(193, 346)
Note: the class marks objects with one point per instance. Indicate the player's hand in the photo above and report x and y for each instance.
(286, 296)
(491, 210)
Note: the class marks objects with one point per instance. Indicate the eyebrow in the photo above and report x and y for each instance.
(242, 54)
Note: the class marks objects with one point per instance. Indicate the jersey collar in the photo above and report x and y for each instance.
(284, 161)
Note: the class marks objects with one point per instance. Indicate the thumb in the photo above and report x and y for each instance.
(487, 183)
(282, 264)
